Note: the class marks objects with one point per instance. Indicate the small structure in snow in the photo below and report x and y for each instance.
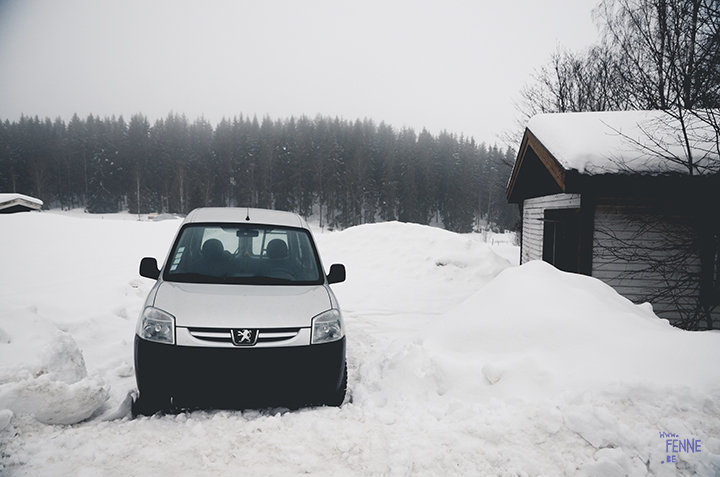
(11, 203)
(623, 197)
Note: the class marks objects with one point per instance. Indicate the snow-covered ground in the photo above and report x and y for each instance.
(461, 363)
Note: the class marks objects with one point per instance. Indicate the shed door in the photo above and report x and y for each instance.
(561, 239)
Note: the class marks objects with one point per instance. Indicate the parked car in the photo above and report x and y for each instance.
(242, 315)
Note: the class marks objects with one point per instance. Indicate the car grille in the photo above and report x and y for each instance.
(223, 335)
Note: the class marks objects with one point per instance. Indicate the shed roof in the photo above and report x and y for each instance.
(623, 141)
(12, 202)
(560, 148)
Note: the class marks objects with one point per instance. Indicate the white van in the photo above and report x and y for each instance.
(242, 315)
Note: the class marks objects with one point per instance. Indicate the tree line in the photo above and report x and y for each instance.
(345, 172)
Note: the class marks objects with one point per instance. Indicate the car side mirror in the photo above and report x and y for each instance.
(149, 268)
(337, 273)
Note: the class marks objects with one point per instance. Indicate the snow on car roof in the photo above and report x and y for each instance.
(246, 215)
(618, 141)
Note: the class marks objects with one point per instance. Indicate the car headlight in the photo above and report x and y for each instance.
(157, 325)
(327, 327)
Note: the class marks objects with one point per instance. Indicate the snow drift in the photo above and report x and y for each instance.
(459, 364)
(539, 331)
(43, 371)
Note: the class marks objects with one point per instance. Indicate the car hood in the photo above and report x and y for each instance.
(251, 306)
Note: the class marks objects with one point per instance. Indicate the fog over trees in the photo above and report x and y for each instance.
(348, 173)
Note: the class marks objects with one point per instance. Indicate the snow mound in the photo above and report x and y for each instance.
(408, 249)
(393, 267)
(536, 332)
(42, 372)
(580, 328)
(558, 365)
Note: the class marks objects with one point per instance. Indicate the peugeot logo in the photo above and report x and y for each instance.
(244, 337)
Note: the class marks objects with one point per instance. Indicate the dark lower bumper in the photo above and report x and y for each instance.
(239, 377)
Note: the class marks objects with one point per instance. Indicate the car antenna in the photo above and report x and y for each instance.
(248, 214)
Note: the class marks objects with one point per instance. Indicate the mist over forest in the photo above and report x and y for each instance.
(345, 173)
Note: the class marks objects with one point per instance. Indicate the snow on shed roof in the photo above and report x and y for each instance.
(624, 141)
(16, 202)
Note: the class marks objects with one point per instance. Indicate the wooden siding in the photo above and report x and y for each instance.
(533, 225)
(632, 244)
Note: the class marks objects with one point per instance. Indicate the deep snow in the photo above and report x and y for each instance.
(460, 364)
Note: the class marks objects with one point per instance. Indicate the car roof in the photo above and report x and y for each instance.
(246, 215)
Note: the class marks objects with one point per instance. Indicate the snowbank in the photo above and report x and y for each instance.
(459, 364)
(69, 291)
(43, 372)
(553, 359)
(536, 332)
(539, 331)
(399, 266)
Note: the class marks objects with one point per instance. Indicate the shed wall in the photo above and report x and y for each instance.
(646, 255)
(533, 225)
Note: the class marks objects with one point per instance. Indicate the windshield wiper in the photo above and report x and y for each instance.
(194, 278)
(263, 280)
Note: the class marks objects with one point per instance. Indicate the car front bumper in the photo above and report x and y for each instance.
(240, 377)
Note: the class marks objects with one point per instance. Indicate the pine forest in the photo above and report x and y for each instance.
(346, 173)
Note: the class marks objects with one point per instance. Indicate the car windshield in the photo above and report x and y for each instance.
(243, 254)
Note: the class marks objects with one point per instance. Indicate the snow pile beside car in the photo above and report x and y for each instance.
(536, 331)
(542, 360)
(43, 372)
(69, 297)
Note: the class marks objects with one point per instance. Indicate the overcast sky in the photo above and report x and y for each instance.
(442, 65)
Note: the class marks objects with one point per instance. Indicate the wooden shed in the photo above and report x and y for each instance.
(11, 203)
(607, 194)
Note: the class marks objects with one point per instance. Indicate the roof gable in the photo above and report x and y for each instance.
(536, 171)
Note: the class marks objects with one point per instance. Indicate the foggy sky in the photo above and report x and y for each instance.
(442, 65)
